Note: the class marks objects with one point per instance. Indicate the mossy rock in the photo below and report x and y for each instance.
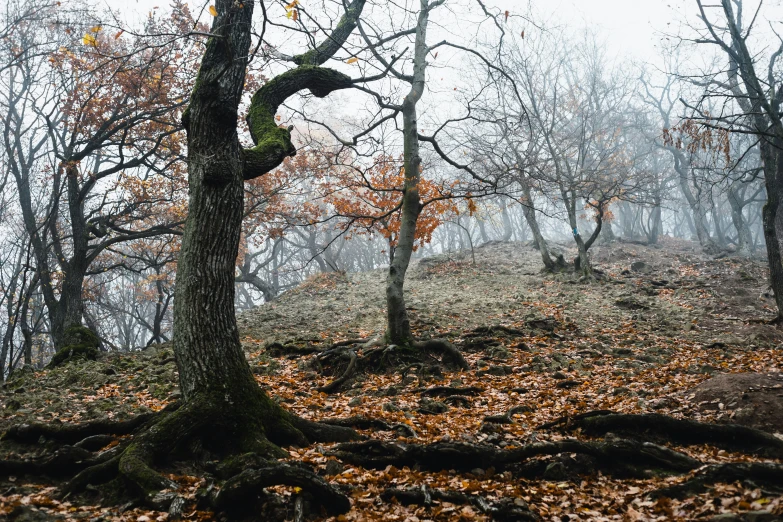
(80, 343)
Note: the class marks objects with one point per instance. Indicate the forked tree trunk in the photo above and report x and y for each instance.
(697, 210)
(213, 370)
(398, 327)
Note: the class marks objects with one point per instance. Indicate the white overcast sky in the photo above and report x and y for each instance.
(629, 26)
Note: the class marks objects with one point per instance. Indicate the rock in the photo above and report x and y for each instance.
(429, 406)
(334, 467)
(497, 370)
(390, 407)
(641, 266)
(757, 397)
(556, 471)
(29, 514)
(664, 402)
(13, 405)
(80, 343)
(356, 401)
(559, 375)
(631, 303)
(548, 324)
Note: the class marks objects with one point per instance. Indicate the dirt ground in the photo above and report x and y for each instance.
(662, 321)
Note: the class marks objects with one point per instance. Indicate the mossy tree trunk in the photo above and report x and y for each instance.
(215, 377)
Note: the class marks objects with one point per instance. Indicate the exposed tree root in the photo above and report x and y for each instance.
(349, 371)
(448, 391)
(617, 456)
(508, 417)
(449, 352)
(61, 462)
(763, 475)
(363, 355)
(236, 491)
(729, 436)
(74, 433)
(365, 423)
(202, 430)
(504, 509)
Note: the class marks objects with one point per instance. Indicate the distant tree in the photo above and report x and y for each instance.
(751, 82)
(87, 130)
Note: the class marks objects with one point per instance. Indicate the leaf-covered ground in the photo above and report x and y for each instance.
(660, 322)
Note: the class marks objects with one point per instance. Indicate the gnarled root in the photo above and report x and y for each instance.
(247, 484)
(503, 509)
(729, 436)
(764, 475)
(218, 431)
(448, 351)
(73, 433)
(617, 456)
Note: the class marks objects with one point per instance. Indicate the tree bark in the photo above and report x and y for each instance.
(744, 235)
(398, 327)
(215, 377)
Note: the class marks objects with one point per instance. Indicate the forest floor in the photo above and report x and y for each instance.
(659, 323)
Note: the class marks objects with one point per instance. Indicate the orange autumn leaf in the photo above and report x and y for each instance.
(212, 10)
(352, 60)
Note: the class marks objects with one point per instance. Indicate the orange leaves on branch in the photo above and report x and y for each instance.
(291, 12)
(507, 13)
(371, 198)
(694, 136)
(212, 10)
(352, 60)
(471, 206)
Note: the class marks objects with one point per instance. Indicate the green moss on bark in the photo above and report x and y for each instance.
(80, 343)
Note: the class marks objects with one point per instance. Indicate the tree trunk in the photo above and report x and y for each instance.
(398, 328)
(508, 227)
(697, 211)
(744, 235)
(655, 228)
(214, 375)
(530, 217)
(773, 180)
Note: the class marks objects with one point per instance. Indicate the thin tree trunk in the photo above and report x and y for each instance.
(744, 235)
(538, 237)
(508, 227)
(398, 328)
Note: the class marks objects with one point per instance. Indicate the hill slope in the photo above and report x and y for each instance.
(540, 347)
